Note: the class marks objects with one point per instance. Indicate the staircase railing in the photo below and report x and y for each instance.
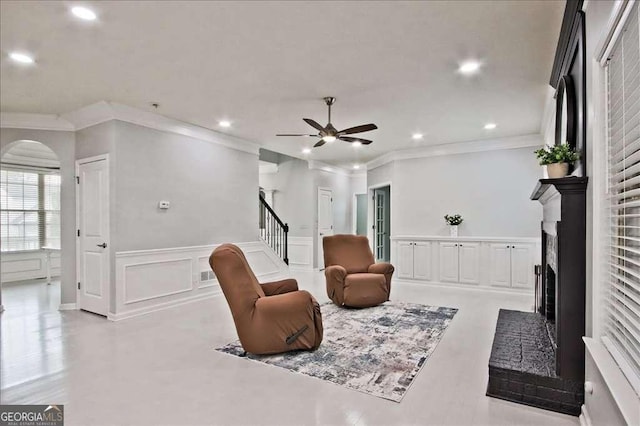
(274, 231)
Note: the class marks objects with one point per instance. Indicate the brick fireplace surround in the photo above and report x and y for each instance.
(537, 358)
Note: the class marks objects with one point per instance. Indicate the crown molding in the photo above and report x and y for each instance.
(533, 140)
(330, 168)
(19, 120)
(104, 111)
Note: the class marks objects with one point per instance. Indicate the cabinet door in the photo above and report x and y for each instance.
(405, 259)
(469, 254)
(522, 272)
(500, 265)
(449, 262)
(422, 260)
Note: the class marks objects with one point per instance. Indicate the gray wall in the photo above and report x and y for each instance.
(293, 196)
(63, 144)
(213, 191)
(489, 189)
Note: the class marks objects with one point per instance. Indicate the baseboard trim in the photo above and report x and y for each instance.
(585, 419)
(162, 306)
(68, 307)
(471, 287)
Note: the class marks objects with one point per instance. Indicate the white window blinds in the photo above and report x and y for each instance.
(29, 210)
(622, 330)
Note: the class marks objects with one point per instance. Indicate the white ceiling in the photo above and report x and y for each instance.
(265, 66)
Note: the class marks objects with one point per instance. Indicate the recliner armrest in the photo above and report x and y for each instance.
(279, 287)
(337, 272)
(381, 268)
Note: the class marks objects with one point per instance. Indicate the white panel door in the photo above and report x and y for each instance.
(522, 266)
(93, 241)
(469, 255)
(448, 262)
(422, 260)
(405, 259)
(325, 220)
(500, 265)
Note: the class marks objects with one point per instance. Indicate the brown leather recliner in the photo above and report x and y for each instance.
(353, 277)
(270, 318)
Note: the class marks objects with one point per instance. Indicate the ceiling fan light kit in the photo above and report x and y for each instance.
(330, 134)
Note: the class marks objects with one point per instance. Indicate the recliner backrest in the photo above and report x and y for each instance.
(349, 251)
(238, 282)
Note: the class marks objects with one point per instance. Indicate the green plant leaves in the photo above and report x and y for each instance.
(562, 153)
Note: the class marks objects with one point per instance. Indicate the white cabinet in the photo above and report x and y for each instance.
(449, 262)
(522, 273)
(511, 265)
(414, 260)
(460, 262)
(422, 260)
(469, 262)
(484, 262)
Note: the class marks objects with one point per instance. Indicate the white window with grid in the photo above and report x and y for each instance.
(622, 263)
(29, 210)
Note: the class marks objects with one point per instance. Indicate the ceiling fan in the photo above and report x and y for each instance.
(329, 133)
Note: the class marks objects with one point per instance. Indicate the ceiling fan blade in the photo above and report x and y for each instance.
(319, 143)
(314, 124)
(358, 129)
(293, 134)
(350, 139)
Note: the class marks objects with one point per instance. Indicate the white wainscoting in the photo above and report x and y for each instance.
(28, 265)
(150, 280)
(301, 253)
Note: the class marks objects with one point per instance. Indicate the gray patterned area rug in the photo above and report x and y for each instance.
(378, 351)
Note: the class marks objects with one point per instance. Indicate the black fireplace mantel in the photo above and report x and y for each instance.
(569, 220)
(562, 185)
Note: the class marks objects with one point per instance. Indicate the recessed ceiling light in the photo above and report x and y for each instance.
(22, 58)
(356, 166)
(490, 126)
(469, 67)
(417, 136)
(356, 144)
(224, 123)
(84, 13)
(306, 151)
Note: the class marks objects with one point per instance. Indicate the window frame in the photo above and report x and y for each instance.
(41, 211)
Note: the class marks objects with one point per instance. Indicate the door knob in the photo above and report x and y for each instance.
(103, 245)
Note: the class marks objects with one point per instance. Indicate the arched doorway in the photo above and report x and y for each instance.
(30, 227)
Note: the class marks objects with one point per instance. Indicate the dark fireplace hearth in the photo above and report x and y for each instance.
(522, 367)
(537, 358)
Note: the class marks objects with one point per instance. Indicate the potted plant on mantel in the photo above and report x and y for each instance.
(453, 221)
(557, 159)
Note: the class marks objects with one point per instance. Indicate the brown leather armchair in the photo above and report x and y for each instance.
(270, 318)
(353, 277)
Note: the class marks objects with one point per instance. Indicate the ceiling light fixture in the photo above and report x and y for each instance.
(84, 13)
(417, 136)
(329, 138)
(356, 166)
(224, 123)
(306, 151)
(469, 67)
(356, 144)
(490, 126)
(21, 58)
